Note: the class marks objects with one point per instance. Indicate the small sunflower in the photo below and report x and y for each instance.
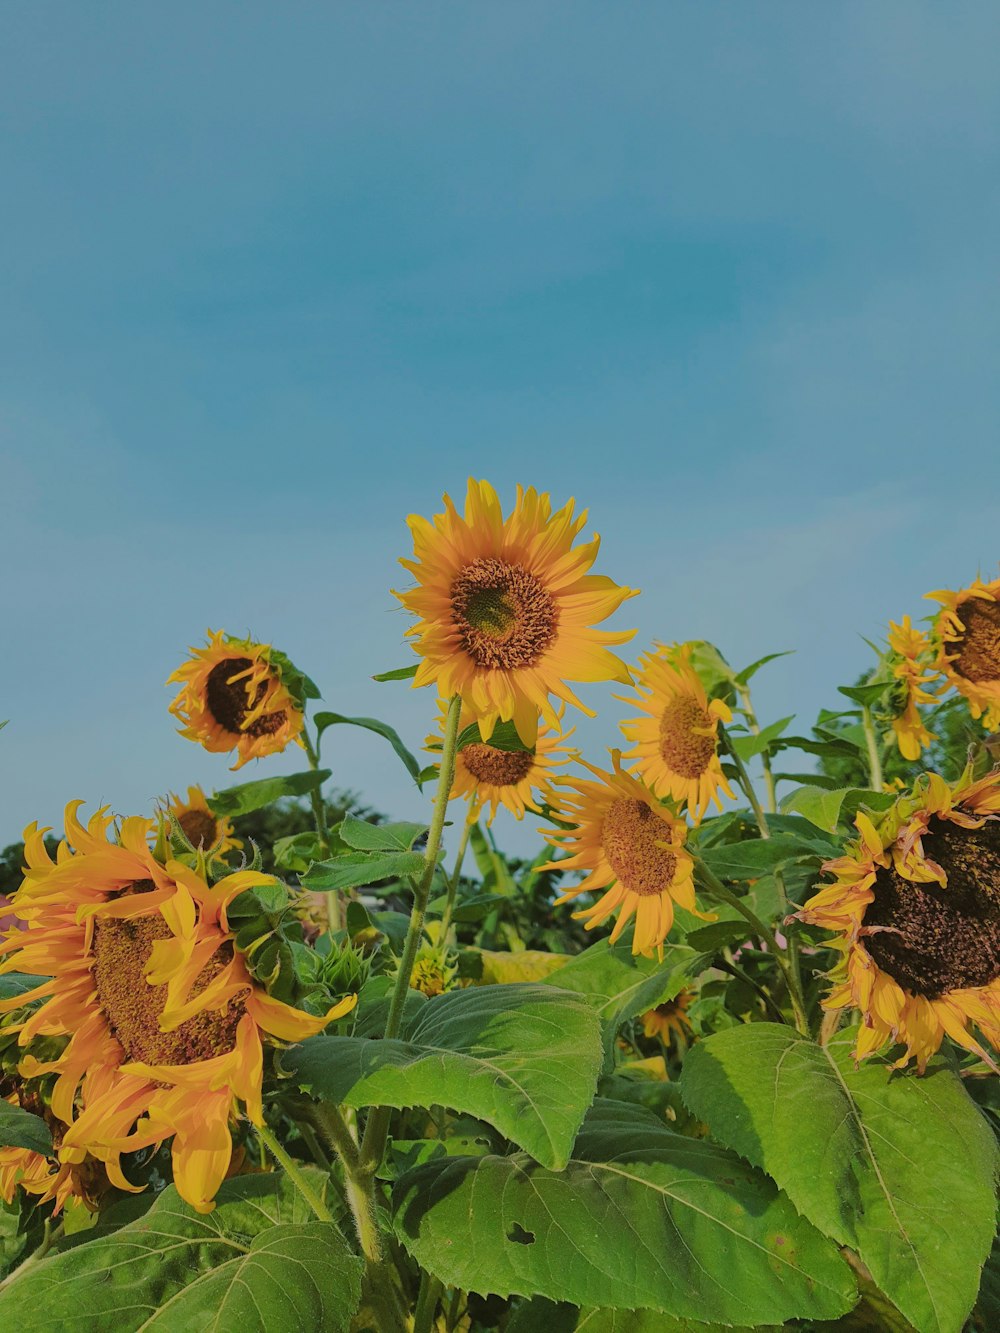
(48, 1179)
(632, 846)
(165, 1024)
(676, 748)
(486, 775)
(917, 905)
(669, 1021)
(204, 830)
(234, 698)
(506, 608)
(910, 646)
(967, 634)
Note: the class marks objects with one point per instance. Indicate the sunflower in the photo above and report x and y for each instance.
(917, 904)
(165, 1023)
(676, 748)
(48, 1179)
(234, 698)
(487, 775)
(506, 606)
(910, 645)
(669, 1021)
(632, 846)
(204, 830)
(967, 634)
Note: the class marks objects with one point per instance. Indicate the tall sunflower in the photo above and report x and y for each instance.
(967, 634)
(487, 775)
(166, 1026)
(506, 608)
(916, 902)
(632, 847)
(233, 697)
(204, 830)
(675, 741)
(911, 648)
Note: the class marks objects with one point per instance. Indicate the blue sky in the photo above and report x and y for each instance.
(275, 276)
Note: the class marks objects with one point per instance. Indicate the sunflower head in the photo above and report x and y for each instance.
(240, 695)
(966, 634)
(506, 607)
(916, 903)
(676, 747)
(631, 846)
(204, 830)
(669, 1021)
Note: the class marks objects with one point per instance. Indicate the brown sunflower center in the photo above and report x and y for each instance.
(228, 701)
(941, 939)
(133, 1007)
(684, 745)
(979, 643)
(504, 615)
(500, 768)
(199, 827)
(630, 836)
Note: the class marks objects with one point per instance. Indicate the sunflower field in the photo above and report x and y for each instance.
(722, 1054)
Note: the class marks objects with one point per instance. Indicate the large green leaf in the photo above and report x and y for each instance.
(524, 1058)
(642, 1218)
(826, 809)
(355, 869)
(899, 1168)
(257, 1263)
(366, 837)
(324, 720)
(21, 1129)
(651, 1321)
(755, 856)
(17, 983)
(250, 796)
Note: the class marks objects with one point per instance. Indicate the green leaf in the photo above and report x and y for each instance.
(744, 676)
(641, 1218)
(21, 1129)
(400, 673)
(749, 746)
(832, 745)
(256, 1263)
(866, 695)
(900, 1168)
(254, 795)
(504, 737)
(755, 856)
(324, 720)
(359, 868)
(711, 938)
(826, 809)
(19, 983)
(524, 1058)
(651, 1321)
(366, 837)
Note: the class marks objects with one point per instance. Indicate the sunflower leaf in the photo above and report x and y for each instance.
(754, 856)
(826, 809)
(504, 737)
(21, 1129)
(356, 869)
(324, 720)
(248, 796)
(400, 673)
(897, 1167)
(367, 837)
(524, 1058)
(742, 677)
(641, 1218)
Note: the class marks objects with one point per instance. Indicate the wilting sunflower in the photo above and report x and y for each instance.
(632, 846)
(233, 698)
(506, 607)
(911, 645)
(676, 747)
(203, 829)
(917, 905)
(967, 633)
(487, 775)
(165, 1023)
(48, 1179)
(669, 1021)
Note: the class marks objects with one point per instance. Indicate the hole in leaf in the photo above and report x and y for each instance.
(519, 1236)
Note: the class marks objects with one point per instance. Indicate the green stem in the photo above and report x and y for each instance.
(294, 1172)
(50, 1235)
(333, 903)
(874, 761)
(744, 780)
(449, 905)
(734, 970)
(427, 1301)
(765, 758)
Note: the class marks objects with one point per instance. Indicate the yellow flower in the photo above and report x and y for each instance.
(916, 902)
(165, 1023)
(233, 698)
(910, 645)
(204, 830)
(676, 748)
(487, 775)
(632, 846)
(669, 1021)
(506, 606)
(967, 634)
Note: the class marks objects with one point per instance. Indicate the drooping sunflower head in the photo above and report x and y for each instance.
(912, 652)
(669, 1020)
(203, 829)
(506, 607)
(966, 632)
(138, 970)
(916, 902)
(676, 746)
(234, 696)
(631, 846)
(489, 774)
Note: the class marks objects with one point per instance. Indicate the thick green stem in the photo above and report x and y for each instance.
(744, 780)
(427, 1303)
(456, 873)
(871, 741)
(50, 1234)
(333, 903)
(765, 758)
(295, 1173)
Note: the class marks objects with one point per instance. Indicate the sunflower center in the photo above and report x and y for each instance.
(133, 1007)
(941, 939)
(979, 643)
(198, 827)
(630, 836)
(687, 737)
(500, 768)
(229, 703)
(505, 617)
